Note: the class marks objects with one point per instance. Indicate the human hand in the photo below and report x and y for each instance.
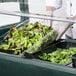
(50, 8)
(72, 17)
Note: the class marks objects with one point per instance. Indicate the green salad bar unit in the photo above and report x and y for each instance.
(15, 66)
(21, 59)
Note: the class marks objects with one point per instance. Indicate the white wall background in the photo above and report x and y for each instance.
(9, 6)
(38, 6)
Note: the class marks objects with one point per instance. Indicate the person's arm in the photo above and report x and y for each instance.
(52, 5)
(73, 17)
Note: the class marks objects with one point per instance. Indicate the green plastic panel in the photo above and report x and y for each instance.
(16, 66)
(8, 0)
(24, 8)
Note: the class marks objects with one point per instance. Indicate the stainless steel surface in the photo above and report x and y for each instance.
(37, 16)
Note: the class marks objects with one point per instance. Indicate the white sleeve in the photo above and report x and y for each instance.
(54, 3)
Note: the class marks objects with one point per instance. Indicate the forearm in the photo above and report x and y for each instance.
(52, 5)
(50, 8)
(74, 17)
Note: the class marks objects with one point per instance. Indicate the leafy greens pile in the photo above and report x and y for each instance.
(19, 39)
(60, 56)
